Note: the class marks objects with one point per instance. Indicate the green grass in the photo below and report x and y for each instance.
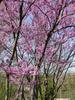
(68, 88)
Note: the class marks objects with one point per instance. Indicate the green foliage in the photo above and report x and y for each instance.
(13, 88)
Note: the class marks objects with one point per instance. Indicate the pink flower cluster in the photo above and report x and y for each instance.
(17, 72)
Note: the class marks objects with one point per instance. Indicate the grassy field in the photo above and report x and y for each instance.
(68, 88)
(66, 91)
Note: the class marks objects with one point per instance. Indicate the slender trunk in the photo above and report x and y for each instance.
(53, 94)
(53, 97)
(50, 94)
(34, 92)
(22, 96)
(46, 87)
(7, 87)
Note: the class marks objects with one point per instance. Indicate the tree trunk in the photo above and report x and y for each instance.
(7, 87)
(22, 96)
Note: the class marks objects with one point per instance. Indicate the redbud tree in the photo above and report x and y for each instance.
(38, 37)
